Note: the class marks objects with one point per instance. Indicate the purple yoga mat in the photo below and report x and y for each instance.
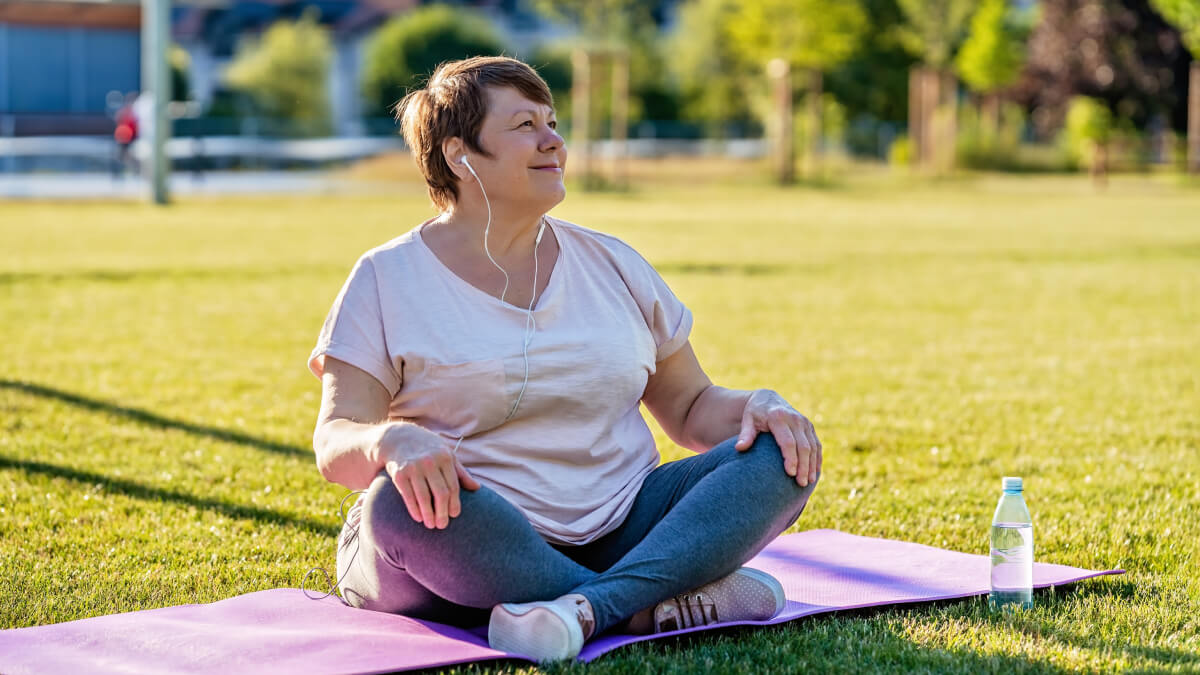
(282, 630)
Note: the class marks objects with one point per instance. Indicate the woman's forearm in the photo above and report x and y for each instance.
(348, 452)
(716, 416)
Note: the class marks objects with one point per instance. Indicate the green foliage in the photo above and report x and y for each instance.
(995, 144)
(900, 153)
(180, 62)
(715, 82)
(934, 28)
(833, 123)
(285, 73)
(873, 82)
(407, 49)
(1089, 126)
(602, 22)
(808, 34)
(993, 53)
(1184, 15)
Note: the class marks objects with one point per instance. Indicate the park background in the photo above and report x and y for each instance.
(962, 236)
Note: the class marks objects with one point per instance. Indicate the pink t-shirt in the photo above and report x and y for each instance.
(574, 455)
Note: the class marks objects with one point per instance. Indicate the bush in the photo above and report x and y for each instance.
(992, 144)
(901, 151)
(407, 49)
(285, 72)
(1089, 128)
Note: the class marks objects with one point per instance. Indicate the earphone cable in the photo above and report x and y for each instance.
(334, 584)
(528, 318)
(487, 228)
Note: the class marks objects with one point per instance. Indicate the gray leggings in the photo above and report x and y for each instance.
(694, 520)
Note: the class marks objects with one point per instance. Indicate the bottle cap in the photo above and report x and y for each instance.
(1011, 484)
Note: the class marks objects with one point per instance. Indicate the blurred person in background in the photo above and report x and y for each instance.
(125, 133)
(481, 380)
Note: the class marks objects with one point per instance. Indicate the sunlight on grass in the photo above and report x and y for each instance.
(156, 412)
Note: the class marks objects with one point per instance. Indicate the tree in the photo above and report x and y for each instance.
(991, 57)
(601, 22)
(808, 35)
(712, 76)
(408, 48)
(934, 28)
(1087, 134)
(1185, 15)
(285, 73)
(883, 61)
(1119, 51)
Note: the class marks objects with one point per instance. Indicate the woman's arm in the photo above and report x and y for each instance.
(353, 440)
(697, 415)
(693, 411)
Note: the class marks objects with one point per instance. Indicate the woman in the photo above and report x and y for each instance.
(481, 378)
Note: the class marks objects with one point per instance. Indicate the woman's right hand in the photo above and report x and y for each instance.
(425, 471)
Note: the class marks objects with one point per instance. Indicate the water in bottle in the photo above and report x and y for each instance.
(1012, 550)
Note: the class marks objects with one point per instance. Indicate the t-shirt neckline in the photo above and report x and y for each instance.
(541, 301)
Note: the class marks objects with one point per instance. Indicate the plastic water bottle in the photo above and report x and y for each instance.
(1012, 550)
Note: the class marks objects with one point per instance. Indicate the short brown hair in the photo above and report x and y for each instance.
(453, 103)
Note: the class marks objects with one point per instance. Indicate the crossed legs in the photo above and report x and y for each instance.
(694, 521)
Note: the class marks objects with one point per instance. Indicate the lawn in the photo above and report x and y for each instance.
(156, 412)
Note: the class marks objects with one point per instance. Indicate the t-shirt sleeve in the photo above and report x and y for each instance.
(354, 330)
(669, 320)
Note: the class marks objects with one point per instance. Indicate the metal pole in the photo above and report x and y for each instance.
(156, 82)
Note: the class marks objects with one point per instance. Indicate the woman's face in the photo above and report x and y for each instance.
(528, 156)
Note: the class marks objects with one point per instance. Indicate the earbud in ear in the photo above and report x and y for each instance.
(465, 162)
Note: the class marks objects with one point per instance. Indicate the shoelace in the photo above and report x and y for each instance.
(586, 621)
(688, 611)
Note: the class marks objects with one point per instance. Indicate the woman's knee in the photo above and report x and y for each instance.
(765, 459)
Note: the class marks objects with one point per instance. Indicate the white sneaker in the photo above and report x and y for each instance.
(544, 631)
(745, 595)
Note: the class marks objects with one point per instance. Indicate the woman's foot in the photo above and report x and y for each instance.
(544, 631)
(745, 595)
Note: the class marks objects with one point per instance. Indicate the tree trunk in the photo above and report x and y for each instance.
(813, 139)
(916, 116)
(785, 163)
(1099, 165)
(620, 118)
(948, 97)
(990, 119)
(581, 103)
(1193, 140)
(929, 104)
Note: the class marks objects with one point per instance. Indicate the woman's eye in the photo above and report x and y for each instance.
(553, 124)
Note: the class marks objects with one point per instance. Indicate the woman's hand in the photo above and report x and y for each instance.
(425, 471)
(767, 411)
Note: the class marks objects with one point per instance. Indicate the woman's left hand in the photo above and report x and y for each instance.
(766, 411)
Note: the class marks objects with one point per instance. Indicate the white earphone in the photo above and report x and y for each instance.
(529, 312)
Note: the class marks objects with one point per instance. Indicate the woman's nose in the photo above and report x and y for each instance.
(552, 140)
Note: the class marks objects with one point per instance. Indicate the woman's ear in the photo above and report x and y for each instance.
(453, 149)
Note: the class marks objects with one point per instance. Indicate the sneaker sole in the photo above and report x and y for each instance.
(540, 634)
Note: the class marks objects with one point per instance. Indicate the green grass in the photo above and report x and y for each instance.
(155, 409)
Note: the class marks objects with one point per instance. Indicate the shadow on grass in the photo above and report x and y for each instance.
(154, 419)
(157, 494)
(117, 275)
(1122, 589)
(740, 269)
(869, 640)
